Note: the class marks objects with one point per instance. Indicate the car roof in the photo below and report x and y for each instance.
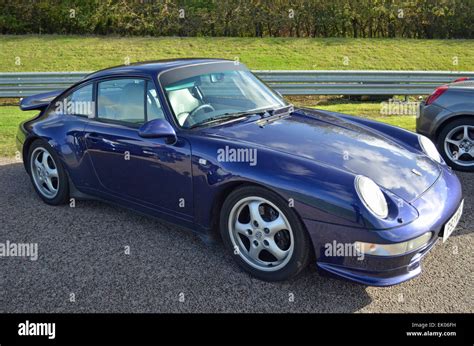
(151, 67)
(467, 85)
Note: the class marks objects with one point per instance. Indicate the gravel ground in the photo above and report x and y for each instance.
(82, 255)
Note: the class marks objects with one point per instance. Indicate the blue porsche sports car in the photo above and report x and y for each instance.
(205, 144)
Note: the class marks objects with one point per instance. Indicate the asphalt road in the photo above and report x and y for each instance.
(82, 255)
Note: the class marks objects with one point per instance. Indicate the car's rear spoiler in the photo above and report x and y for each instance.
(39, 101)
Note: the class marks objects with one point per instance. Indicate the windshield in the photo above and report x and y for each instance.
(205, 97)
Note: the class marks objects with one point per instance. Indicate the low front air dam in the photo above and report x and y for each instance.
(435, 207)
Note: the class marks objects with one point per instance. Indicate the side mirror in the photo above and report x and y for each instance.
(158, 128)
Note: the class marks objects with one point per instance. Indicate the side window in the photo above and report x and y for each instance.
(79, 102)
(122, 100)
(153, 106)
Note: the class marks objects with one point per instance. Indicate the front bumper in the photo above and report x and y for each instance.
(435, 207)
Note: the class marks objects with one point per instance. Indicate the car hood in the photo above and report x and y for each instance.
(342, 144)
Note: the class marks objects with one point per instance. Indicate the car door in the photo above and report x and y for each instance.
(145, 171)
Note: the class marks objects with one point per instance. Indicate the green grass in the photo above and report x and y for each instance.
(79, 53)
(10, 119)
(371, 111)
(11, 116)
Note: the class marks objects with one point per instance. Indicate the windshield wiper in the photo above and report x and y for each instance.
(236, 115)
(213, 120)
(226, 116)
(282, 110)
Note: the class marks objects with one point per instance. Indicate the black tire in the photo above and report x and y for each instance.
(442, 137)
(62, 195)
(302, 247)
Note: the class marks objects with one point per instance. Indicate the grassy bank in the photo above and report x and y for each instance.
(78, 53)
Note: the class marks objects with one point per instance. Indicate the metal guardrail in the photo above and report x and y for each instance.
(359, 82)
(21, 84)
(286, 82)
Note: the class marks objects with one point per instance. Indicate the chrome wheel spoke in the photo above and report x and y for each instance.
(52, 173)
(466, 132)
(275, 226)
(471, 152)
(50, 185)
(241, 228)
(254, 252)
(44, 160)
(255, 214)
(276, 251)
(452, 141)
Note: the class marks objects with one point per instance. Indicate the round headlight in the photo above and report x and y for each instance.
(373, 198)
(429, 148)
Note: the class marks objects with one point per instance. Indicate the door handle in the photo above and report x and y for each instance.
(96, 138)
(151, 154)
(93, 137)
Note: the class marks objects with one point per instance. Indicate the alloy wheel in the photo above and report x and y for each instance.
(44, 172)
(459, 145)
(261, 233)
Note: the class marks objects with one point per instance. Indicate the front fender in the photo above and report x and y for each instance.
(316, 191)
